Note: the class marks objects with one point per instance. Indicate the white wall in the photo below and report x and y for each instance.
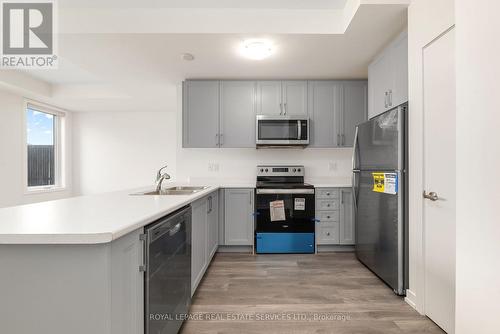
(427, 19)
(122, 150)
(478, 163)
(12, 190)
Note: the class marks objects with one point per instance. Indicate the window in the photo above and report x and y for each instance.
(43, 148)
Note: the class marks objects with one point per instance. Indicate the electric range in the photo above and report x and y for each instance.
(284, 210)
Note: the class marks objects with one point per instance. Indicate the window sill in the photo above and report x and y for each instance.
(43, 190)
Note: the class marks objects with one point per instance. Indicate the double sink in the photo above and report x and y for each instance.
(180, 190)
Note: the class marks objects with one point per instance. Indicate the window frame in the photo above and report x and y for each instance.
(59, 147)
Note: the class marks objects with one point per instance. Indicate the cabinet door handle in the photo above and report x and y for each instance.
(285, 108)
(342, 197)
(338, 140)
(216, 139)
(385, 100)
(390, 97)
(143, 238)
(343, 140)
(221, 139)
(281, 108)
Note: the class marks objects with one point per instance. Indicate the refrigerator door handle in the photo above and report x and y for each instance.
(355, 153)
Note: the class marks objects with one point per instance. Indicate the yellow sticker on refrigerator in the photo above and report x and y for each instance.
(386, 183)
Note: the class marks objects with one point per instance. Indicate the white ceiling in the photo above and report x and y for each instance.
(134, 71)
(268, 4)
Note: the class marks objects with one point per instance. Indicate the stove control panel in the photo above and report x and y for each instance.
(268, 170)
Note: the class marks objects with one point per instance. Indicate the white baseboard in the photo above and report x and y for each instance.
(411, 298)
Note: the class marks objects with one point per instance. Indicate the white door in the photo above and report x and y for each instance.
(439, 178)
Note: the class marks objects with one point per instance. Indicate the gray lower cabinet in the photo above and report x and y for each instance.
(238, 216)
(237, 113)
(213, 224)
(334, 211)
(58, 284)
(347, 229)
(200, 117)
(204, 235)
(199, 236)
(336, 107)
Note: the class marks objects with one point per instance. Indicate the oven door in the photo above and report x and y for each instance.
(285, 130)
(298, 208)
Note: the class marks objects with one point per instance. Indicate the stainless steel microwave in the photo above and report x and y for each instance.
(282, 130)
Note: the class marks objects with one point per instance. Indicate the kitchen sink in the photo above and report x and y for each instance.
(179, 190)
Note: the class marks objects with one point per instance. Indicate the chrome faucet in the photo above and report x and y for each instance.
(160, 177)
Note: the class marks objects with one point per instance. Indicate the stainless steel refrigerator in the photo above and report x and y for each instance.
(380, 179)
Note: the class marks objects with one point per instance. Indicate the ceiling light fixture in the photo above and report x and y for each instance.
(257, 49)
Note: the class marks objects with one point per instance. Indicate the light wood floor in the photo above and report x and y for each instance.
(239, 290)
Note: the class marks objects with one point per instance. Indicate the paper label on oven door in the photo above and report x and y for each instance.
(277, 209)
(300, 204)
(386, 183)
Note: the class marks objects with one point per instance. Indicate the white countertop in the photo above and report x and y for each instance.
(100, 218)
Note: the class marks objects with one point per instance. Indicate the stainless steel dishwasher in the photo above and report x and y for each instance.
(167, 272)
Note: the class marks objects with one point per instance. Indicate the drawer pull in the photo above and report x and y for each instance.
(328, 217)
(328, 233)
(328, 205)
(327, 194)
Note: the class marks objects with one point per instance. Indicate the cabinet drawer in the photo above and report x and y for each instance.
(327, 193)
(327, 204)
(328, 216)
(328, 234)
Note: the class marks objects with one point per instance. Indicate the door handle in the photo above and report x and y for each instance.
(284, 108)
(385, 100)
(216, 139)
(390, 97)
(221, 141)
(432, 196)
(281, 108)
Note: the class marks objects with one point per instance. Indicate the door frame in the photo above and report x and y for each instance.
(420, 36)
(424, 139)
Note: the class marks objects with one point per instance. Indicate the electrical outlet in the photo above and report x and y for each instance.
(332, 166)
(213, 167)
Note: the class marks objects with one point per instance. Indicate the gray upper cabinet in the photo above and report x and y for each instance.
(399, 55)
(269, 99)
(287, 97)
(222, 113)
(294, 98)
(201, 114)
(347, 228)
(237, 114)
(388, 77)
(354, 110)
(324, 106)
(238, 217)
(336, 107)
